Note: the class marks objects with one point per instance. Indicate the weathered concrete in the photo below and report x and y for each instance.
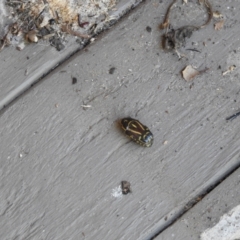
(20, 70)
(207, 213)
(62, 163)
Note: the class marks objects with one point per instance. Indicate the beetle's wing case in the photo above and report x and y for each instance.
(136, 127)
(125, 123)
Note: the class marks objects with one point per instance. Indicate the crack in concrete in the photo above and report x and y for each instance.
(179, 211)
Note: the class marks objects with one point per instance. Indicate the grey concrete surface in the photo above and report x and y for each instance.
(207, 213)
(20, 70)
(62, 163)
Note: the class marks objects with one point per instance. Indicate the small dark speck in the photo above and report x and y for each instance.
(219, 67)
(235, 100)
(221, 148)
(111, 70)
(51, 21)
(74, 80)
(149, 29)
(133, 49)
(28, 57)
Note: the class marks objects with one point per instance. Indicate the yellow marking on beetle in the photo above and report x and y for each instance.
(133, 125)
(132, 131)
(139, 124)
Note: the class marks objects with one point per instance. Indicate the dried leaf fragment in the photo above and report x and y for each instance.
(230, 69)
(189, 73)
(219, 25)
(217, 14)
(32, 36)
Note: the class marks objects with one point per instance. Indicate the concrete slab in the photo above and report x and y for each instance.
(201, 221)
(64, 156)
(20, 70)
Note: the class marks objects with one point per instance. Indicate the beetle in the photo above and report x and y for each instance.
(137, 132)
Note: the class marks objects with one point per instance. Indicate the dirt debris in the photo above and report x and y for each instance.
(112, 70)
(74, 80)
(52, 20)
(175, 38)
(217, 15)
(125, 185)
(230, 69)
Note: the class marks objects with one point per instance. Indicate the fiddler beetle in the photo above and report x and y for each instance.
(137, 132)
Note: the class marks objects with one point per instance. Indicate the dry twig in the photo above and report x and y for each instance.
(176, 38)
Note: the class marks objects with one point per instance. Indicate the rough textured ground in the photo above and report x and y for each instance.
(20, 70)
(207, 213)
(64, 155)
